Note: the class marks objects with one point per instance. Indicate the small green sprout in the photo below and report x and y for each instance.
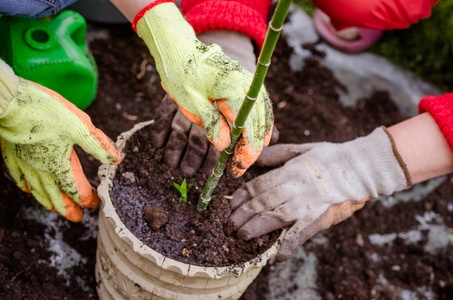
(183, 190)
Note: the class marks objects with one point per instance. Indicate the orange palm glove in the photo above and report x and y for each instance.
(38, 129)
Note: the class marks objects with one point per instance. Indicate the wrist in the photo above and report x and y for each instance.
(423, 147)
(376, 163)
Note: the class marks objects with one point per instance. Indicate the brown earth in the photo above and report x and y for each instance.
(306, 110)
(150, 208)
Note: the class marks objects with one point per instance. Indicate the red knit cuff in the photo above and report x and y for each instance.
(441, 109)
(145, 9)
(245, 16)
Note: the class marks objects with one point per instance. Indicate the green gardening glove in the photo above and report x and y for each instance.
(197, 76)
(38, 129)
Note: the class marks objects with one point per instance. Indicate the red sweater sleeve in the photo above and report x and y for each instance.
(441, 109)
(246, 16)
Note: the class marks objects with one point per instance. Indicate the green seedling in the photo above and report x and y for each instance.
(183, 190)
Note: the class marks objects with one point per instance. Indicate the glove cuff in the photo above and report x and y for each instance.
(441, 109)
(245, 16)
(170, 39)
(145, 9)
(8, 85)
(399, 158)
(376, 164)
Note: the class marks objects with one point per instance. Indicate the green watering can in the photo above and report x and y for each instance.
(53, 53)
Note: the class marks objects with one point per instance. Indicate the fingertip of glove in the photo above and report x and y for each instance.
(91, 202)
(115, 156)
(240, 196)
(282, 257)
(285, 252)
(244, 157)
(74, 213)
(244, 235)
(234, 171)
(221, 144)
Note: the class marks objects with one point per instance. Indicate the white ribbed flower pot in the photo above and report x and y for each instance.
(128, 269)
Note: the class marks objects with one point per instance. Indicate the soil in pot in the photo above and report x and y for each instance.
(148, 204)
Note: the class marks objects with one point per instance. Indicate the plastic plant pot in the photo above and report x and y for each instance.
(128, 269)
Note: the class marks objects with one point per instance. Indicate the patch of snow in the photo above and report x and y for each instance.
(63, 257)
(438, 235)
(297, 31)
(382, 239)
(293, 279)
(427, 293)
(375, 257)
(450, 206)
(438, 238)
(410, 237)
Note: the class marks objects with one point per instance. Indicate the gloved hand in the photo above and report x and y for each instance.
(187, 145)
(197, 75)
(320, 185)
(38, 129)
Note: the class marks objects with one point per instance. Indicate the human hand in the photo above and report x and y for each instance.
(197, 76)
(38, 129)
(320, 185)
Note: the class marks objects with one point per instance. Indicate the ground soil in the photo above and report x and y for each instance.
(306, 110)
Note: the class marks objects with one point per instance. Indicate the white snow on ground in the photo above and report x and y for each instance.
(450, 206)
(439, 236)
(293, 280)
(384, 284)
(64, 257)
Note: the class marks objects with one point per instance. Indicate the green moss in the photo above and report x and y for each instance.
(306, 5)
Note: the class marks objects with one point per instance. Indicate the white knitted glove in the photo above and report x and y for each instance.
(320, 185)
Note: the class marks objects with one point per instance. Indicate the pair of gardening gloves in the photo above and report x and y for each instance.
(38, 129)
(319, 184)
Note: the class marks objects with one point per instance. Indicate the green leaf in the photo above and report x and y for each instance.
(183, 190)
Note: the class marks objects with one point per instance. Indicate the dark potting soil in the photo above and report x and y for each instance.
(148, 204)
(306, 109)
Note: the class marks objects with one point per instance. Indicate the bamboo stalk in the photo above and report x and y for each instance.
(272, 35)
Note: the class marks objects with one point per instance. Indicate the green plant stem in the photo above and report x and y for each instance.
(272, 35)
